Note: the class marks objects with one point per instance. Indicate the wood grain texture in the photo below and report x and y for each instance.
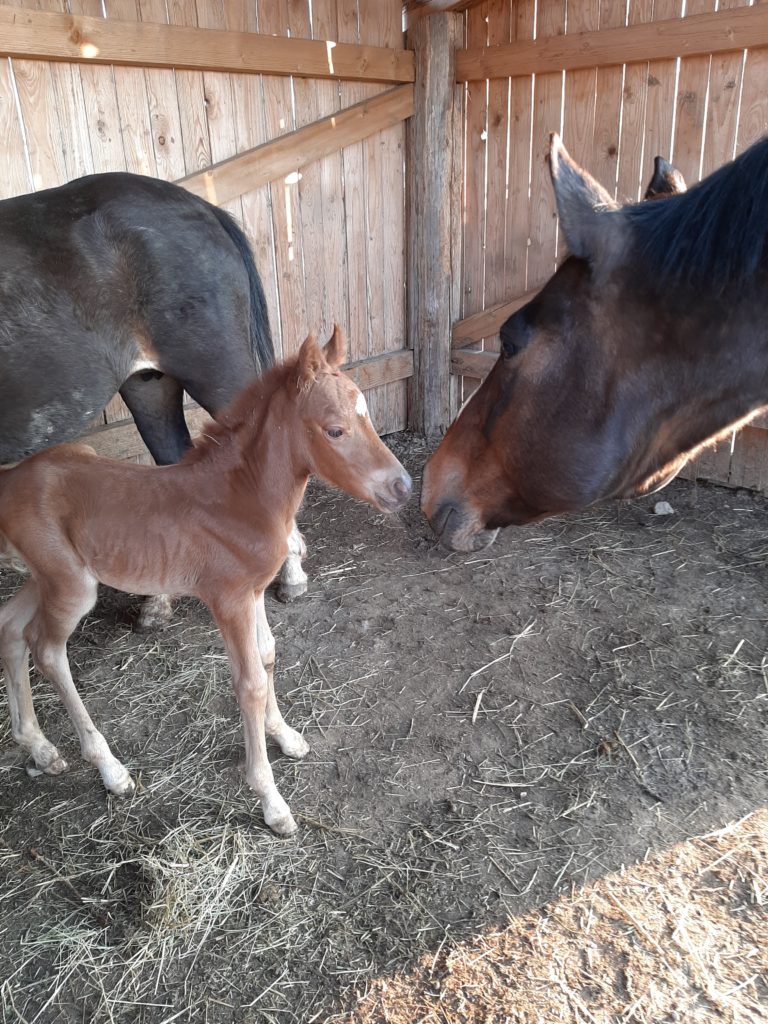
(434, 170)
(715, 32)
(487, 323)
(66, 37)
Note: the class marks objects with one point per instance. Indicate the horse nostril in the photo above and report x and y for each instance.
(441, 517)
(403, 486)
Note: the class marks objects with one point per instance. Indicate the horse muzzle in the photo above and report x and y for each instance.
(458, 529)
(395, 494)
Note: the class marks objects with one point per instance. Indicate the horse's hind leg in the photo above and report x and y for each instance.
(156, 402)
(59, 612)
(293, 579)
(14, 617)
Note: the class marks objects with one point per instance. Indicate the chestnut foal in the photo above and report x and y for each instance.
(214, 526)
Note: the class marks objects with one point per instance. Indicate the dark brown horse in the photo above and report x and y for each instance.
(216, 526)
(650, 341)
(121, 283)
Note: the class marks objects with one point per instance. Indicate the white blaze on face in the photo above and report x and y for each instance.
(361, 406)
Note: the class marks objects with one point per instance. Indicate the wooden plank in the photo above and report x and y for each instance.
(547, 105)
(630, 186)
(381, 370)
(473, 364)
(66, 37)
(286, 223)
(749, 463)
(101, 108)
(497, 145)
(488, 321)
(163, 102)
(434, 172)
(725, 82)
(16, 177)
(190, 88)
(416, 9)
(581, 89)
(715, 32)
(753, 117)
(335, 304)
(250, 131)
(604, 161)
(517, 238)
(355, 196)
(691, 105)
(475, 150)
(660, 99)
(389, 21)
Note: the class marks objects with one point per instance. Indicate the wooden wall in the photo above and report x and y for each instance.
(329, 238)
(698, 111)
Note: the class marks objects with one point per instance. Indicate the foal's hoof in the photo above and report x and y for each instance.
(118, 781)
(284, 826)
(293, 745)
(56, 766)
(287, 592)
(155, 613)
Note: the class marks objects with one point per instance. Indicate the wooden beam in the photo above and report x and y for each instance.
(473, 364)
(488, 322)
(65, 37)
(433, 160)
(416, 9)
(279, 157)
(717, 32)
(121, 440)
(383, 369)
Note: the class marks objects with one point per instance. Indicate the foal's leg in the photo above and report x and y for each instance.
(238, 625)
(14, 617)
(290, 742)
(293, 579)
(59, 612)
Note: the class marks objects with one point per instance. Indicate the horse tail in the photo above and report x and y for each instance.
(260, 332)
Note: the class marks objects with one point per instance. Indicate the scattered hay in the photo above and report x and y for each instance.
(488, 732)
(679, 938)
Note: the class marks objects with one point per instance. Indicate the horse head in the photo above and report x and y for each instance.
(338, 440)
(604, 384)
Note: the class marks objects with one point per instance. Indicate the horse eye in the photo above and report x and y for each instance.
(334, 432)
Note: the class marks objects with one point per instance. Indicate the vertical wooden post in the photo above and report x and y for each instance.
(433, 177)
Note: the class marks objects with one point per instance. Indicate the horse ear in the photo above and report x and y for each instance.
(335, 351)
(309, 362)
(581, 202)
(666, 180)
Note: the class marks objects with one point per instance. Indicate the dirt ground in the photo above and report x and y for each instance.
(498, 740)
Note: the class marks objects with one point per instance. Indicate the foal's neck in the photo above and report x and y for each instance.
(254, 446)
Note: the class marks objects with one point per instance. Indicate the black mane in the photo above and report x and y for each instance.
(714, 234)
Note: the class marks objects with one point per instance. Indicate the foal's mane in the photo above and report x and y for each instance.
(713, 235)
(241, 418)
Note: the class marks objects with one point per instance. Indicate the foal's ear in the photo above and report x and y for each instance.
(335, 351)
(581, 203)
(309, 362)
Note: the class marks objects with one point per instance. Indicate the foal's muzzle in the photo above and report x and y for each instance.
(396, 493)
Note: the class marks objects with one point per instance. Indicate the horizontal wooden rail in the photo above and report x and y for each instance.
(716, 32)
(121, 440)
(487, 323)
(272, 160)
(472, 364)
(68, 37)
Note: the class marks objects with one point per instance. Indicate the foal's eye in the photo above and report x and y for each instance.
(334, 432)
